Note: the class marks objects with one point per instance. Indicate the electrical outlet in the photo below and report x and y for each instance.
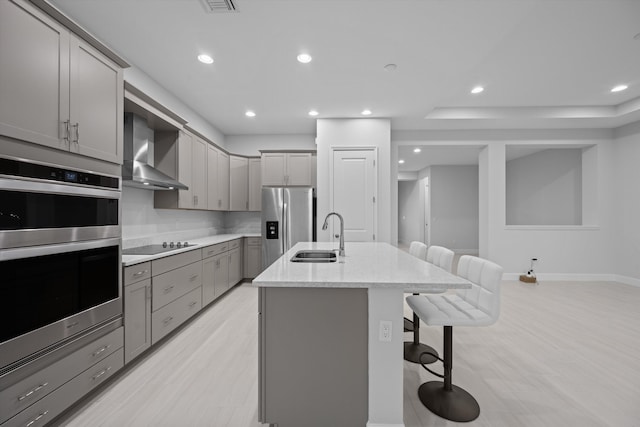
(385, 335)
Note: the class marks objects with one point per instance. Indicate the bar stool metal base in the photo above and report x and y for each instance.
(455, 405)
(413, 351)
(408, 325)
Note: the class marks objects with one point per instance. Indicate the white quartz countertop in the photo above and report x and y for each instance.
(366, 265)
(195, 244)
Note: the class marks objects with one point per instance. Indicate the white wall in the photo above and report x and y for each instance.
(626, 185)
(250, 145)
(357, 132)
(545, 188)
(410, 211)
(142, 224)
(150, 87)
(454, 208)
(571, 252)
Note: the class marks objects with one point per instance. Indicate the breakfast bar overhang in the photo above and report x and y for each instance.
(331, 334)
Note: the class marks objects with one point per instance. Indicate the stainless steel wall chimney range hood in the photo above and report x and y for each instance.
(137, 168)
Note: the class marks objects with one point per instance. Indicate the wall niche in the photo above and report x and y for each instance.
(550, 185)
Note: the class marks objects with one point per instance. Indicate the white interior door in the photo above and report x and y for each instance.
(353, 194)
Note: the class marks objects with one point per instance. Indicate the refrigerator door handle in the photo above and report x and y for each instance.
(285, 225)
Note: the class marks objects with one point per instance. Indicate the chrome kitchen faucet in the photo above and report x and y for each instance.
(324, 227)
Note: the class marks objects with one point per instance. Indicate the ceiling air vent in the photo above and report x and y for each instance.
(219, 6)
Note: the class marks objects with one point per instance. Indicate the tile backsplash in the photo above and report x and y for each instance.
(142, 224)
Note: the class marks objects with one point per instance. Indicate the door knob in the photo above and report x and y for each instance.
(337, 236)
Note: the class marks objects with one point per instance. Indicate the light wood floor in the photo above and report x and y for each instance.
(562, 354)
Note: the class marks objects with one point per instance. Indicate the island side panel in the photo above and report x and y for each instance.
(313, 357)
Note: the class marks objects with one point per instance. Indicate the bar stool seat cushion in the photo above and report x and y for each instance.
(478, 306)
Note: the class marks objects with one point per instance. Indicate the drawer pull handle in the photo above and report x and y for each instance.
(36, 419)
(30, 392)
(102, 350)
(192, 303)
(167, 321)
(168, 289)
(72, 325)
(194, 277)
(104, 371)
(140, 273)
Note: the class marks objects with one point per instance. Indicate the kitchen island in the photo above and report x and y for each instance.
(331, 335)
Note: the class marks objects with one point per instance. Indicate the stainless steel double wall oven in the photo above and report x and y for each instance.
(60, 256)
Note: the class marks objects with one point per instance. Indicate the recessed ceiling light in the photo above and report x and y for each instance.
(366, 112)
(145, 183)
(636, 37)
(205, 59)
(313, 113)
(619, 88)
(401, 161)
(416, 150)
(305, 58)
(477, 89)
(250, 114)
(390, 67)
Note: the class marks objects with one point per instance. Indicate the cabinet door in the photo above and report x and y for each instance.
(185, 154)
(239, 183)
(208, 280)
(255, 185)
(298, 171)
(96, 103)
(273, 169)
(223, 180)
(221, 274)
(213, 199)
(235, 266)
(137, 319)
(199, 173)
(253, 255)
(34, 81)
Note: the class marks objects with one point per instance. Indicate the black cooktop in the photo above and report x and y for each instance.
(152, 249)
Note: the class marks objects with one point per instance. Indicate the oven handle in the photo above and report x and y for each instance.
(34, 251)
(50, 188)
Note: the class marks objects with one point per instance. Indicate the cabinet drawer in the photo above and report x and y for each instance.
(174, 314)
(254, 241)
(56, 402)
(214, 250)
(234, 244)
(162, 265)
(169, 286)
(17, 397)
(136, 273)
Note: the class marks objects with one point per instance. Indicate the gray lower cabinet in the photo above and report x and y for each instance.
(222, 268)
(235, 267)
(137, 310)
(252, 257)
(172, 315)
(137, 314)
(176, 287)
(332, 370)
(38, 398)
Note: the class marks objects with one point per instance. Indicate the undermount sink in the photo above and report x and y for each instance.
(314, 256)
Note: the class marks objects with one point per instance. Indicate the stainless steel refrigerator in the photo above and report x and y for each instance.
(287, 218)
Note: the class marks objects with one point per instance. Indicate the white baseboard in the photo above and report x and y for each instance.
(579, 278)
(627, 280)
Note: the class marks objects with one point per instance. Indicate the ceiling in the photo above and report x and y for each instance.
(543, 63)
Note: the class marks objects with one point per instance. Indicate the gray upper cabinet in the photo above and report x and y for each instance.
(56, 89)
(287, 169)
(239, 183)
(255, 185)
